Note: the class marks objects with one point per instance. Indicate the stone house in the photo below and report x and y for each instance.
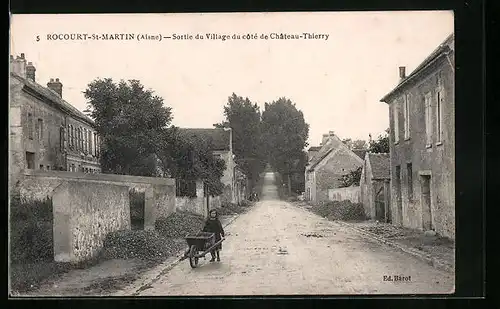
(324, 171)
(422, 144)
(46, 132)
(220, 141)
(375, 186)
(241, 185)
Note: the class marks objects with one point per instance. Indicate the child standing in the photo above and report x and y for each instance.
(213, 225)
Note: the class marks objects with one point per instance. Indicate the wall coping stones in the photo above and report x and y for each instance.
(101, 177)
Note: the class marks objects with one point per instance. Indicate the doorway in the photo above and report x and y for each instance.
(137, 201)
(30, 160)
(399, 202)
(425, 199)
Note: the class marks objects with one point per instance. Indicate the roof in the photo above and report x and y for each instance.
(380, 164)
(314, 148)
(53, 97)
(441, 50)
(333, 143)
(360, 153)
(219, 139)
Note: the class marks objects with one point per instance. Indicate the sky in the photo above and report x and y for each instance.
(337, 83)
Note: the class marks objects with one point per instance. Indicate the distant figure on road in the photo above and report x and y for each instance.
(213, 225)
(254, 196)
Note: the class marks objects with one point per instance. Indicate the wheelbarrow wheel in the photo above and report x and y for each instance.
(193, 261)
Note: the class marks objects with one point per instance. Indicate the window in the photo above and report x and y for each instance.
(48, 167)
(30, 125)
(85, 140)
(80, 143)
(409, 172)
(91, 150)
(428, 120)
(41, 166)
(40, 129)
(73, 169)
(439, 115)
(61, 138)
(94, 150)
(396, 123)
(406, 108)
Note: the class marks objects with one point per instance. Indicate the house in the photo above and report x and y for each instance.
(241, 187)
(312, 151)
(220, 142)
(324, 171)
(422, 144)
(46, 132)
(375, 186)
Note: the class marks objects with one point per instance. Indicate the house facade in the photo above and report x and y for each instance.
(375, 186)
(46, 132)
(326, 168)
(422, 144)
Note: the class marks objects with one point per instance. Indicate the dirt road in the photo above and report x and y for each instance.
(277, 248)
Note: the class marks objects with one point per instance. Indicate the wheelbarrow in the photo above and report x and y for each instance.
(198, 246)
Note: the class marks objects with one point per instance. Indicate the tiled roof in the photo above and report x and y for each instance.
(219, 139)
(381, 165)
(53, 97)
(360, 153)
(331, 144)
(443, 48)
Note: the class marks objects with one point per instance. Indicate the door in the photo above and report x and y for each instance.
(425, 200)
(399, 202)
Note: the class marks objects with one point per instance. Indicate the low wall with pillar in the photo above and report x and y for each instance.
(38, 185)
(198, 204)
(84, 213)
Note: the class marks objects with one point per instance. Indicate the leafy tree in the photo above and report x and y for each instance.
(191, 160)
(244, 117)
(381, 144)
(355, 144)
(352, 178)
(130, 121)
(284, 132)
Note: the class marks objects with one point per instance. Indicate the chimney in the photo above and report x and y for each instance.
(402, 73)
(55, 86)
(18, 65)
(324, 139)
(30, 71)
(331, 133)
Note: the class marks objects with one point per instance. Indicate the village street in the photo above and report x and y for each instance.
(278, 248)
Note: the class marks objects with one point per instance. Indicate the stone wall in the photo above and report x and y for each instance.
(198, 204)
(38, 185)
(352, 194)
(84, 213)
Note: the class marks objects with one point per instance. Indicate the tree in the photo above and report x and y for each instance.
(130, 121)
(355, 144)
(284, 132)
(352, 178)
(381, 144)
(244, 117)
(192, 160)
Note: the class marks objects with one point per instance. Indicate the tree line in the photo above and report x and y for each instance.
(138, 138)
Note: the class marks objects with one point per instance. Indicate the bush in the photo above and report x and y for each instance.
(179, 224)
(141, 244)
(31, 230)
(345, 210)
